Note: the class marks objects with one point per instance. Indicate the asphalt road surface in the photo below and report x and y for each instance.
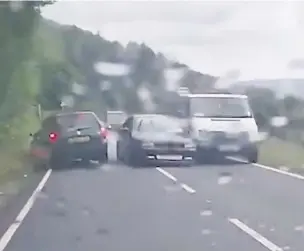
(223, 206)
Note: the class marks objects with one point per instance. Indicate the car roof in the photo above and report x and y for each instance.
(217, 95)
(151, 115)
(73, 113)
(115, 112)
(62, 114)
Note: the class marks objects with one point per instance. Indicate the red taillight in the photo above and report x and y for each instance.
(53, 136)
(104, 132)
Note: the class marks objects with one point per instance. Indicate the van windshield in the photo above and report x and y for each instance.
(220, 107)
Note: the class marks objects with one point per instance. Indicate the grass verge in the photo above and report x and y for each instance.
(278, 153)
(14, 147)
(14, 166)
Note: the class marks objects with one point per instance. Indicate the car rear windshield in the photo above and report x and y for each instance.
(159, 124)
(230, 107)
(78, 121)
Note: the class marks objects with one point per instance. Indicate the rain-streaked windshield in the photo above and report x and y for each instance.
(78, 121)
(159, 124)
(205, 170)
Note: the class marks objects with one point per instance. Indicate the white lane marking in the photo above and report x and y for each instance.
(171, 177)
(112, 143)
(294, 175)
(255, 235)
(187, 188)
(5, 239)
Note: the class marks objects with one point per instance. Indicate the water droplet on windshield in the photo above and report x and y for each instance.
(279, 121)
(16, 5)
(224, 178)
(42, 195)
(102, 231)
(60, 204)
(173, 188)
(284, 168)
(206, 231)
(106, 168)
(206, 213)
(105, 85)
(86, 212)
(173, 76)
(242, 181)
(299, 228)
(112, 69)
(79, 89)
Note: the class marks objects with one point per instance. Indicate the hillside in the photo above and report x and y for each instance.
(44, 63)
(85, 52)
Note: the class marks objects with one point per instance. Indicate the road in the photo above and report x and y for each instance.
(223, 206)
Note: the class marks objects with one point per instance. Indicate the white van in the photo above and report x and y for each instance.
(221, 124)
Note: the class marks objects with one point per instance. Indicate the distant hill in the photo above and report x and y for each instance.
(281, 87)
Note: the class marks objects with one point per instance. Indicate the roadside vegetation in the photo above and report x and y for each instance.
(42, 61)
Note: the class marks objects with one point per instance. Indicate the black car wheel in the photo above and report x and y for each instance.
(39, 165)
(58, 162)
(203, 156)
(118, 154)
(103, 157)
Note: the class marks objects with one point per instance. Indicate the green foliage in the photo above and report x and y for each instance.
(40, 60)
(20, 77)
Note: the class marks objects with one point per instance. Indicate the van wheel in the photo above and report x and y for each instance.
(253, 157)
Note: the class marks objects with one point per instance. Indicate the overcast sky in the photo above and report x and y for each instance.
(258, 38)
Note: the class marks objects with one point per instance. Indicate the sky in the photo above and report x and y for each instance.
(257, 38)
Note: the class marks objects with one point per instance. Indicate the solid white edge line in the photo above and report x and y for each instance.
(294, 175)
(7, 236)
(170, 176)
(187, 188)
(255, 235)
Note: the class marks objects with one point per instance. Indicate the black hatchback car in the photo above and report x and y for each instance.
(68, 136)
(153, 136)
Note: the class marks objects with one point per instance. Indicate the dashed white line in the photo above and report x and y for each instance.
(187, 188)
(5, 239)
(294, 175)
(255, 235)
(171, 177)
